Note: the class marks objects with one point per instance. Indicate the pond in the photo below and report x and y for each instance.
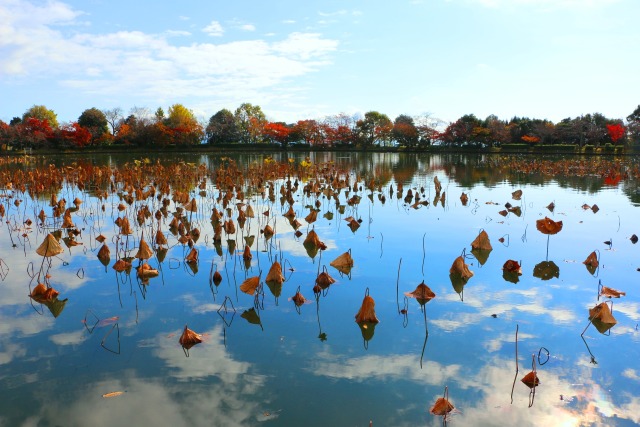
(106, 350)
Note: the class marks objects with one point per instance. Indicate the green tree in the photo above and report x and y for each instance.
(95, 122)
(374, 128)
(633, 126)
(41, 112)
(222, 128)
(251, 121)
(159, 114)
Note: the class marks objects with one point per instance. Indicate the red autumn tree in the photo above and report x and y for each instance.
(73, 134)
(309, 131)
(616, 132)
(276, 132)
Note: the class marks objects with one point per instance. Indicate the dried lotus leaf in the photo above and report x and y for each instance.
(49, 247)
(460, 268)
(250, 285)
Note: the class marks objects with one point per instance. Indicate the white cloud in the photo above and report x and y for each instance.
(247, 27)
(69, 338)
(177, 33)
(214, 29)
(151, 67)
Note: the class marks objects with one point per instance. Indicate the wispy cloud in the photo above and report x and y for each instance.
(177, 33)
(214, 29)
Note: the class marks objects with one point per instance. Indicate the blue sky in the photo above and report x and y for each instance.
(298, 60)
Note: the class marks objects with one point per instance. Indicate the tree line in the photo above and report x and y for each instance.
(39, 127)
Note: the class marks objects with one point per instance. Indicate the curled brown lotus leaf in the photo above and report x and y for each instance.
(101, 238)
(595, 208)
(268, 231)
(275, 274)
(290, 213)
(121, 207)
(67, 222)
(343, 261)
(41, 216)
(464, 199)
(192, 256)
(436, 182)
(551, 206)
(441, 407)
(41, 293)
(611, 293)
(422, 293)
(298, 299)
(602, 313)
(512, 266)
(121, 265)
(246, 255)
(191, 206)
(217, 278)
(125, 227)
(144, 251)
(195, 234)
(104, 253)
(229, 227)
(353, 225)
(460, 268)
(592, 260)
(482, 242)
(145, 271)
(516, 195)
(312, 239)
(531, 380)
(160, 238)
(216, 215)
(249, 212)
(49, 247)
(548, 226)
(250, 285)
(77, 201)
(504, 212)
(324, 280)
(189, 338)
(367, 312)
(311, 218)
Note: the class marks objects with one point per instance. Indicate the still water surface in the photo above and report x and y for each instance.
(263, 360)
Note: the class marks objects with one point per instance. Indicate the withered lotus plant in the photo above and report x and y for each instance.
(367, 312)
(189, 338)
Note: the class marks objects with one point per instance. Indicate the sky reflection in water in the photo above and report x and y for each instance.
(313, 365)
